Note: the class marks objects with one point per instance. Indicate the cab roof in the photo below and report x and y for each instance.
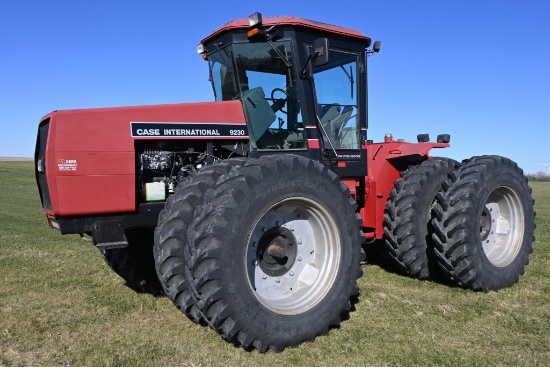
(244, 23)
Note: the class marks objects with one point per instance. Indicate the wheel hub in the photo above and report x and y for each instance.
(485, 223)
(276, 251)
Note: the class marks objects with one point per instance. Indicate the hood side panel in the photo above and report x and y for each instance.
(90, 158)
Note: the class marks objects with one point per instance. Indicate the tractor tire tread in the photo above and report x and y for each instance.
(171, 234)
(208, 240)
(460, 257)
(408, 213)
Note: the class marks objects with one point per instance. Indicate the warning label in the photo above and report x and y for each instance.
(67, 164)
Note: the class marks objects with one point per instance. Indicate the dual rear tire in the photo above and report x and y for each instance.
(471, 223)
(484, 222)
(407, 225)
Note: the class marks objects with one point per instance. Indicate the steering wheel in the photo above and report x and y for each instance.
(276, 102)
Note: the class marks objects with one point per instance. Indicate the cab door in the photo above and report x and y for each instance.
(338, 86)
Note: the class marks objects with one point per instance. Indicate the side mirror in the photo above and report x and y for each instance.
(320, 52)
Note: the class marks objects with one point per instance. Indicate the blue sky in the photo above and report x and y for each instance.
(478, 70)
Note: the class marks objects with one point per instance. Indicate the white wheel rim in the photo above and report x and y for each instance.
(310, 271)
(502, 226)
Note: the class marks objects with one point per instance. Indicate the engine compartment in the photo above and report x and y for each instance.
(162, 164)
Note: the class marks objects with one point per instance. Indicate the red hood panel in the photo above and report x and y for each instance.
(90, 159)
(108, 129)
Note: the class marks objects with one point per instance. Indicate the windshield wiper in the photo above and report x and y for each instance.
(279, 53)
(284, 58)
(350, 77)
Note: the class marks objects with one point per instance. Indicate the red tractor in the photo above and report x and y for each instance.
(250, 212)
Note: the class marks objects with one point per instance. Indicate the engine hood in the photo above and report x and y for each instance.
(88, 158)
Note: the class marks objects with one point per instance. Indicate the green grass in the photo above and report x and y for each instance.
(60, 305)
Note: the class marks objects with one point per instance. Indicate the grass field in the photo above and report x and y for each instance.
(60, 305)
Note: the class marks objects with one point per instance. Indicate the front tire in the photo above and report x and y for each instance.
(276, 253)
(171, 247)
(484, 223)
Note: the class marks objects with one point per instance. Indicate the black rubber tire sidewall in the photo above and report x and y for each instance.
(407, 220)
(171, 247)
(270, 329)
(466, 197)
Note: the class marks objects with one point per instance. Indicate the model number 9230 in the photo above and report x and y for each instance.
(239, 132)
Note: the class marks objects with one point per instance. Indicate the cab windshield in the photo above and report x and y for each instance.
(262, 76)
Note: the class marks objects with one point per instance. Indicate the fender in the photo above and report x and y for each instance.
(385, 162)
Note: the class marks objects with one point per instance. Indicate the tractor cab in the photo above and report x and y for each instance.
(302, 85)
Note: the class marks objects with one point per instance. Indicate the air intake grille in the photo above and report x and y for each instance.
(40, 164)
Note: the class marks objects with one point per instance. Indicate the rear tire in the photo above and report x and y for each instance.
(276, 251)
(170, 249)
(484, 223)
(408, 213)
(135, 263)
